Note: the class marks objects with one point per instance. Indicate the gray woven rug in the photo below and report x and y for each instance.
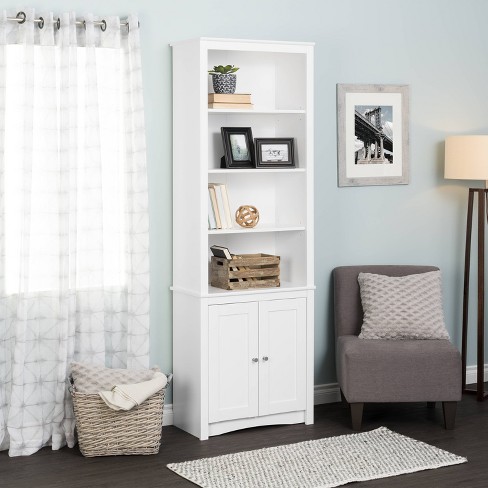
(323, 463)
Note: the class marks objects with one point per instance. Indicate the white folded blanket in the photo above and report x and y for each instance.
(125, 397)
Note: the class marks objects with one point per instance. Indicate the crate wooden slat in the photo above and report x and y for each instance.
(255, 273)
(245, 271)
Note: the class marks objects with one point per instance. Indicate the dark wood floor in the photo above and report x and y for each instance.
(67, 468)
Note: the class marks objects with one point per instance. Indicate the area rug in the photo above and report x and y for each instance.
(322, 463)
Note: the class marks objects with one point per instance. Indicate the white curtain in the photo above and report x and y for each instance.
(74, 270)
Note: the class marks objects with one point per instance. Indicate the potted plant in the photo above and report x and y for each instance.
(223, 78)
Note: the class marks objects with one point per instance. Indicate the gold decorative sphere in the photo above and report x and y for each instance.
(247, 216)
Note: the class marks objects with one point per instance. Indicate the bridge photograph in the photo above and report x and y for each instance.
(370, 120)
(373, 128)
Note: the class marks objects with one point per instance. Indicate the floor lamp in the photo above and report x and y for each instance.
(466, 158)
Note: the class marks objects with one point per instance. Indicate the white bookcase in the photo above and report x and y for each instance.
(242, 358)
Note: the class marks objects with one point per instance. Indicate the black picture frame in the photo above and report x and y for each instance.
(238, 147)
(275, 152)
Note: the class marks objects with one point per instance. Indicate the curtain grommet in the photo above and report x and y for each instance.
(128, 25)
(58, 23)
(21, 15)
(84, 24)
(103, 25)
(40, 23)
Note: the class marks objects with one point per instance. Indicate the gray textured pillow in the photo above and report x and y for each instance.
(406, 307)
(89, 378)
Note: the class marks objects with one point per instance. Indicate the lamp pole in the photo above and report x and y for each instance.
(482, 194)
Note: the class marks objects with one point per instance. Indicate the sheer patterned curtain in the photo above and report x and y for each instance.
(74, 270)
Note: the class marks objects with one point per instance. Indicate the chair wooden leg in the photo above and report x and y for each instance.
(449, 409)
(430, 404)
(356, 415)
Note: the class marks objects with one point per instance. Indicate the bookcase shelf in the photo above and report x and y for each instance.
(257, 230)
(284, 287)
(254, 171)
(254, 111)
(219, 336)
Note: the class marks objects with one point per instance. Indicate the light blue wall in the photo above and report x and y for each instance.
(438, 47)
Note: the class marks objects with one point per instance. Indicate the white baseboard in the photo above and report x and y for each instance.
(168, 414)
(330, 393)
(471, 373)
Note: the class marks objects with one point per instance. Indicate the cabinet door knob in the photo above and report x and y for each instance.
(265, 358)
(255, 360)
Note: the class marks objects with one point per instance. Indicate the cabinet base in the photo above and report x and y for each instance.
(276, 419)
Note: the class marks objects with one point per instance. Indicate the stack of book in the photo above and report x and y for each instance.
(219, 216)
(229, 100)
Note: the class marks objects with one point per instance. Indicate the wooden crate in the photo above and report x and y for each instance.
(245, 271)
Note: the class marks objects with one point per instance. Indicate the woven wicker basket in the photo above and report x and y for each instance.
(106, 432)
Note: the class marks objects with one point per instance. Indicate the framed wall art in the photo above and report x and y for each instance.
(372, 135)
(274, 153)
(238, 147)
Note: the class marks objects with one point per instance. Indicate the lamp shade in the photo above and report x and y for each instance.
(466, 158)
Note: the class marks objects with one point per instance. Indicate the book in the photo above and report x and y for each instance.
(225, 198)
(220, 202)
(212, 223)
(230, 105)
(229, 97)
(221, 252)
(225, 217)
(213, 197)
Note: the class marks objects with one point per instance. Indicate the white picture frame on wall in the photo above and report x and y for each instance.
(372, 135)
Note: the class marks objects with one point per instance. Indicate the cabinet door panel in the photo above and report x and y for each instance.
(282, 340)
(233, 376)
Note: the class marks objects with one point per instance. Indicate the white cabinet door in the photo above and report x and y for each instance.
(282, 356)
(233, 361)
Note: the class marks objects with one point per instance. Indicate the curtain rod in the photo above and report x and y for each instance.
(21, 17)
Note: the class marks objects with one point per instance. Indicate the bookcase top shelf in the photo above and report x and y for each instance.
(246, 44)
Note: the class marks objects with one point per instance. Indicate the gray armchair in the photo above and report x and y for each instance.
(381, 370)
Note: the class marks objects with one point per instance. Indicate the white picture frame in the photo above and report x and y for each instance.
(372, 135)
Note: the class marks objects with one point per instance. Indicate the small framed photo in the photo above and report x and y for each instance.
(275, 153)
(372, 135)
(238, 147)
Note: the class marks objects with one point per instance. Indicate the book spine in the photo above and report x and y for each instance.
(225, 198)
(246, 106)
(220, 202)
(229, 98)
(212, 224)
(215, 207)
